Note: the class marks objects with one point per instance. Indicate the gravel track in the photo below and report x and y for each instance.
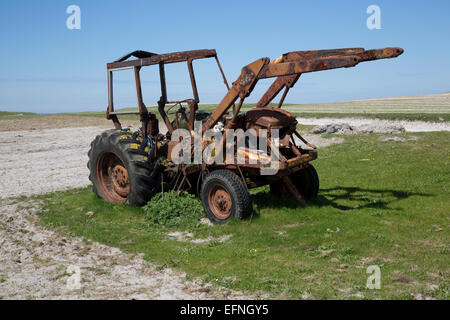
(410, 126)
(36, 263)
(35, 162)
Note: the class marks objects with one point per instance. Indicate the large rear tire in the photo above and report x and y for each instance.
(306, 181)
(224, 196)
(120, 169)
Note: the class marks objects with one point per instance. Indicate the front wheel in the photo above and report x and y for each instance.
(225, 196)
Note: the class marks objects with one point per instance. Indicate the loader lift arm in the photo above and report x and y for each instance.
(288, 69)
(288, 82)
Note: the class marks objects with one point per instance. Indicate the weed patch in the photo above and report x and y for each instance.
(174, 210)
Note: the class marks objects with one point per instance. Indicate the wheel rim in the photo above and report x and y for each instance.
(113, 178)
(220, 202)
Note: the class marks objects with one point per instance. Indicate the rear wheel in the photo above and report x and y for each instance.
(113, 177)
(120, 168)
(306, 181)
(224, 196)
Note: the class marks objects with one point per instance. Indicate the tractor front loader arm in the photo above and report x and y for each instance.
(288, 69)
(288, 82)
(240, 88)
(263, 68)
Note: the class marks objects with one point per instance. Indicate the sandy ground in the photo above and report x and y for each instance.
(41, 161)
(410, 126)
(56, 122)
(39, 264)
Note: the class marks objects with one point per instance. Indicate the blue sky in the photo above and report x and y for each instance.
(47, 68)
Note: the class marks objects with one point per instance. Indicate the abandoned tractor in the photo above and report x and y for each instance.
(130, 167)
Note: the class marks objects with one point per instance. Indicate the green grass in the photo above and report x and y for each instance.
(295, 109)
(389, 202)
(154, 109)
(5, 115)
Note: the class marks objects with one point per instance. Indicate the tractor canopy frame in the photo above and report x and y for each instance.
(145, 58)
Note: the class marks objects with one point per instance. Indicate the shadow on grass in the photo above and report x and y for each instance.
(341, 198)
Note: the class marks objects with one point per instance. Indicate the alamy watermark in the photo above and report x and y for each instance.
(74, 280)
(374, 280)
(374, 20)
(73, 21)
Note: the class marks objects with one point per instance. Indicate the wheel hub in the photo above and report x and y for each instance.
(120, 175)
(113, 177)
(220, 202)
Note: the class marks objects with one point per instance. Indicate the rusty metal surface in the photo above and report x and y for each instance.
(165, 58)
(140, 54)
(289, 81)
(376, 54)
(308, 65)
(276, 87)
(220, 202)
(304, 140)
(274, 117)
(240, 88)
(113, 178)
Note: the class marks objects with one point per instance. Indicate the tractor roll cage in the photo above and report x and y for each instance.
(145, 58)
(287, 69)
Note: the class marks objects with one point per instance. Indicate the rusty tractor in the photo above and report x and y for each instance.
(130, 167)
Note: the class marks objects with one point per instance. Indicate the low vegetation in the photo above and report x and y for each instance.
(5, 115)
(380, 203)
(174, 209)
(429, 117)
(425, 108)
